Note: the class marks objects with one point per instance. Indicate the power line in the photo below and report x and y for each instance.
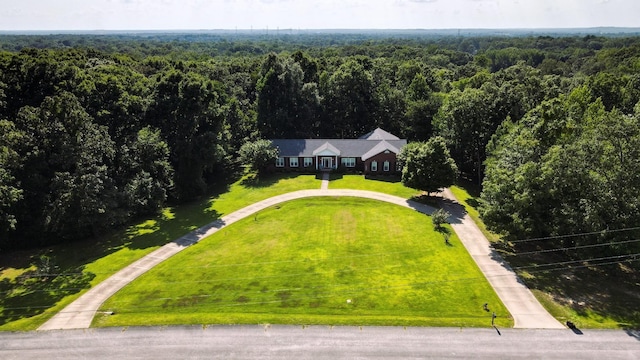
(388, 253)
(575, 247)
(391, 253)
(306, 260)
(602, 232)
(328, 294)
(260, 263)
(583, 266)
(354, 292)
(576, 261)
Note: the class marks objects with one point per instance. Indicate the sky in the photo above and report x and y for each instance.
(20, 15)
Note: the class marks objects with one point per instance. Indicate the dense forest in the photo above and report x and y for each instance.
(96, 130)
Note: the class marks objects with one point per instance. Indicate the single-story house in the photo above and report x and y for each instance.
(372, 153)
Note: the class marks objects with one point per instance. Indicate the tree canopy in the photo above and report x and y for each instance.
(428, 166)
(258, 155)
(96, 130)
(568, 167)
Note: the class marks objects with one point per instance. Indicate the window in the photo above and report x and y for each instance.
(308, 162)
(293, 162)
(385, 166)
(349, 162)
(374, 166)
(280, 162)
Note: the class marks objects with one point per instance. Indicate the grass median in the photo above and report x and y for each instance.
(315, 261)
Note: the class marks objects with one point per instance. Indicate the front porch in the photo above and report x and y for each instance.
(327, 157)
(326, 163)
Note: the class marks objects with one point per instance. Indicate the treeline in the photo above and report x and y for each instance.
(97, 130)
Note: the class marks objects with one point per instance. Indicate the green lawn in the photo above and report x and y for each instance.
(27, 302)
(315, 261)
(384, 184)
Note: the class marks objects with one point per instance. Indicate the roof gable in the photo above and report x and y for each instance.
(378, 134)
(380, 147)
(326, 149)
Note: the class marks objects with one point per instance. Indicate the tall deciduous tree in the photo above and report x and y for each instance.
(350, 103)
(464, 121)
(10, 191)
(188, 109)
(149, 174)
(258, 155)
(422, 105)
(67, 180)
(287, 106)
(428, 166)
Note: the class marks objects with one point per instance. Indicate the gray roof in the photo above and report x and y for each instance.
(382, 146)
(346, 147)
(365, 147)
(327, 147)
(379, 134)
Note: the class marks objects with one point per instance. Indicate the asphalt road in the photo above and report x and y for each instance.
(319, 342)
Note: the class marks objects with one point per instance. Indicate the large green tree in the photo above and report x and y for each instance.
(350, 102)
(67, 177)
(287, 106)
(147, 172)
(465, 121)
(258, 155)
(10, 191)
(428, 166)
(189, 111)
(568, 167)
(422, 106)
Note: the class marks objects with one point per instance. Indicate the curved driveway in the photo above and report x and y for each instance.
(523, 306)
(514, 295)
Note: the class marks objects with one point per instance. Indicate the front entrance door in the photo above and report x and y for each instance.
(327, 163)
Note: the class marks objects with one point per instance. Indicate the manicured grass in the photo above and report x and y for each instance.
(384, 184)
(315, 261)
(590, 297)
(27, 302)
(248, 191)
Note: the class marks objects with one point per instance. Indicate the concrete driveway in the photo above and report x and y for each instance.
(526, 310)
(523, 306)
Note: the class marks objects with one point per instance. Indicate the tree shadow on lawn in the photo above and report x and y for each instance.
(175, 222)
(384, 178)
(267, 180)
(31, 293)
(28, 295)
(446, 234)
(610, 291)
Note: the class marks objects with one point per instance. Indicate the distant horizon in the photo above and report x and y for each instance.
(607, 29)
(145, 15)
